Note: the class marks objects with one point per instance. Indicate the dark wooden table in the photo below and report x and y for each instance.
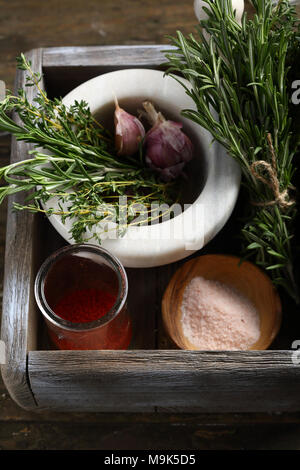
(27, 24)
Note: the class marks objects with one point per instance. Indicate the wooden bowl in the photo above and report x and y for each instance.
(245, 277)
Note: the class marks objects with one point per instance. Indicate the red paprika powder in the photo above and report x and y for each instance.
(84, 305)
(81, 290)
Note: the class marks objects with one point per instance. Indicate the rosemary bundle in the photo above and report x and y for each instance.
(239, 76)
(74, 161)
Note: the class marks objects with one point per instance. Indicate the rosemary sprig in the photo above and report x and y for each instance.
(74, 161)
(239, 83)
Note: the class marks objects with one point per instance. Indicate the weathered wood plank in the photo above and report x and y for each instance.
(126, 22)
(67, 67)
(10, 412)
(18, 280)
(137, 380)
(104, 56)
(28, 24)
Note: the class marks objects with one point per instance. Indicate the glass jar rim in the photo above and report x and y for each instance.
(60, 322)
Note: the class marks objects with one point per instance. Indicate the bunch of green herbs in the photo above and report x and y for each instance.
(240, 77)
(74, 163)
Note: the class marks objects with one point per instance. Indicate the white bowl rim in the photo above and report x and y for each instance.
(133, 254)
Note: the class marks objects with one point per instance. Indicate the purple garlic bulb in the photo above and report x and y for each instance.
(129, 131)
(168, 149)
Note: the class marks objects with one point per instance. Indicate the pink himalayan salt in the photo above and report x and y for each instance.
(217, 317)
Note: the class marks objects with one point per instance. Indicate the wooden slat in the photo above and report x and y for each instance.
(140, 380)
(106, 56)
(25, 25)
(18, 296)
(67, 67)
(2, 90)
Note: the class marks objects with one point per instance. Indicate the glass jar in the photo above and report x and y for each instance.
(81, 291)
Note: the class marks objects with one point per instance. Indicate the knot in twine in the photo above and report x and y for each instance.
(280, 197)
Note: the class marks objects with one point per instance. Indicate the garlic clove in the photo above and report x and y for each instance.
(167, 147)
(129, 131)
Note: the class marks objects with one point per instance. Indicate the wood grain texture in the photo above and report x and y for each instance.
(137, 380)
(104, 56)
(67, 67)
(27, 24)
(18, 299)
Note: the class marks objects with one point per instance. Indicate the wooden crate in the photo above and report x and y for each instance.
(153, 375)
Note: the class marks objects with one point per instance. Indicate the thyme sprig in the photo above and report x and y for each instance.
(73, 161)
(239, 76)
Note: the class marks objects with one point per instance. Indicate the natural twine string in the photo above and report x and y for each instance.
(280, 197)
